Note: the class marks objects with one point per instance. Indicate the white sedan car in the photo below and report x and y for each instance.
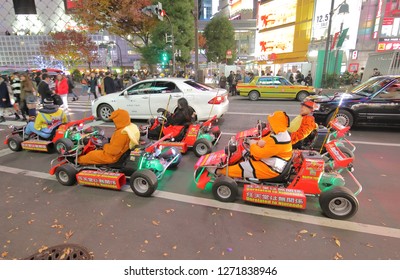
(143, 98)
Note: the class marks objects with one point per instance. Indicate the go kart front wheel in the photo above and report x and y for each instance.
(143, 182)
(202, 147)
(66, 175)
(338, 203)
(14, 143)
(63, 145)
(225, 189)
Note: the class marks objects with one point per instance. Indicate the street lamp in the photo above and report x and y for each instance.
(343, 8)
(119, 52)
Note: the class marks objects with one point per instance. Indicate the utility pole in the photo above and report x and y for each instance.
(196, 38)
(172, 44)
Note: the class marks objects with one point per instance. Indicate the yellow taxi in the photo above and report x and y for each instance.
(273, 87)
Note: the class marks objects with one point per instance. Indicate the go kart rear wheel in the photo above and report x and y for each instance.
(66, 175)
(63, 145)
(202, 147)
(143, 182)
(338, 203)
(14, 143)
(225, 189)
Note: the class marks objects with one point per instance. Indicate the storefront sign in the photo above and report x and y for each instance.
(276, 13)
(275, 41)
(388, 46)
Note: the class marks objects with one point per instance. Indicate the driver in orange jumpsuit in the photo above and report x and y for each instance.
(269, 155)
(302, 125)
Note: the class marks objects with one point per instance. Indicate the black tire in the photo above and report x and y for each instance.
(225, 189)
(344, 117)
(143, 182)
(202, 147)
(14, 143)
(338, 203)
(254, 95)
(104, 112)
(66, 175)
(301, 95)
(63, 145)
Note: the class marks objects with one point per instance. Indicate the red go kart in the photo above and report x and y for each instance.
(201, 137)
(305, 174)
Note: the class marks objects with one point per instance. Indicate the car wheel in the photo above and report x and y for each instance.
(225, 189)
(301, 95)
(143, 182)
(202, 147)
(104, 112)
(344, 117)
(63, 145)
(254, 95)
(66, 175)
(338, 203)
(14, 143)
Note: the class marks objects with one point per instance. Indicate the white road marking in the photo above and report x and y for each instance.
(254, 210)
(255, 114)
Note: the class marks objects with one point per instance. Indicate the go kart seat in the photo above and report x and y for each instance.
(284, 176)
(308, 142)
(120, 163)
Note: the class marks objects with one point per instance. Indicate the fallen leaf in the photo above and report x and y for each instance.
(57, 226)
(223, 253)
(165, 254)
(146, 242)
(231, 214)
(9, 217)
(69, 234)
(8, 241)
(303, 231)
(369, 245)
(128, 205)
(174, 247)
(65, 253)
(43, 248)
(100, 225)
(30, 221)
(198, 252)
(383, 175)
(156, 223)
(4, 254)
(337, 241)
(313, 234)
(213, 213)
(101, 213)
(249, 233)
(338, 256)
(158, 235)
(211, 248)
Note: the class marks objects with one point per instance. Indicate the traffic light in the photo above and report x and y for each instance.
(158, 11)
(164, 58)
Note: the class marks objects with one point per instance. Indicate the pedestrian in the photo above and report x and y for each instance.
(118, 83)
(93, 88)
(62, 90)
(44, 87)
(229, 79)
(376, 73)
(16, 89)
(291, 78)
(299, 77)
(361, 73)
(28, 97)
(84, 84)
(222, 81)
(5, 98)
(234, 83)
(308, 80)
(355, 78)
(109, 86)
(71, 87)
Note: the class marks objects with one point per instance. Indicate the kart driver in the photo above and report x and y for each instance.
(184, 114)
(269, 155)
(48, 118)
(302, 125)
(126, 136)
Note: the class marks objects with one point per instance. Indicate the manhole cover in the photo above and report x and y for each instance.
(62, 252)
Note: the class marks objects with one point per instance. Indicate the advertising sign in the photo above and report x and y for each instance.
(276, 13)
(350, 20)
(275, 41)
(389, 38)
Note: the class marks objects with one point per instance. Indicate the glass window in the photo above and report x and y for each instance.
(139, 88)
(265, 81)
(284, 82)
(198, 86)
(24, 7)
(165, 86)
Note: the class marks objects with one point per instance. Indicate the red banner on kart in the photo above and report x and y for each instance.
(101, 179)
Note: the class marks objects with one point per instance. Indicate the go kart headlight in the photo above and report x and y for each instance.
(11, 126)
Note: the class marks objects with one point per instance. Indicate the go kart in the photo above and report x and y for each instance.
(307, 173)
(145, 166)
(63, 137)
(201, 137)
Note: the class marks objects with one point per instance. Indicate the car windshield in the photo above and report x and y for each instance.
(371, 86)
(199, 86)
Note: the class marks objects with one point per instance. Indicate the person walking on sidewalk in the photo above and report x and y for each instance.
(5, 99)
(71, 87)
(109, 86)
(94, 89)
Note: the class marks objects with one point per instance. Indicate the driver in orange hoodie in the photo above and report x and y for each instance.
(269, 155)
(126, 136)
(302, 125)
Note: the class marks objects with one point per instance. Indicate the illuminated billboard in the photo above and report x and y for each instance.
(389, 38)
(275, 41)
(276, 13)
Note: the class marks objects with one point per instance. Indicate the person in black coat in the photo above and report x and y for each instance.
(44, 87)
(109, 86)
(5, 102)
